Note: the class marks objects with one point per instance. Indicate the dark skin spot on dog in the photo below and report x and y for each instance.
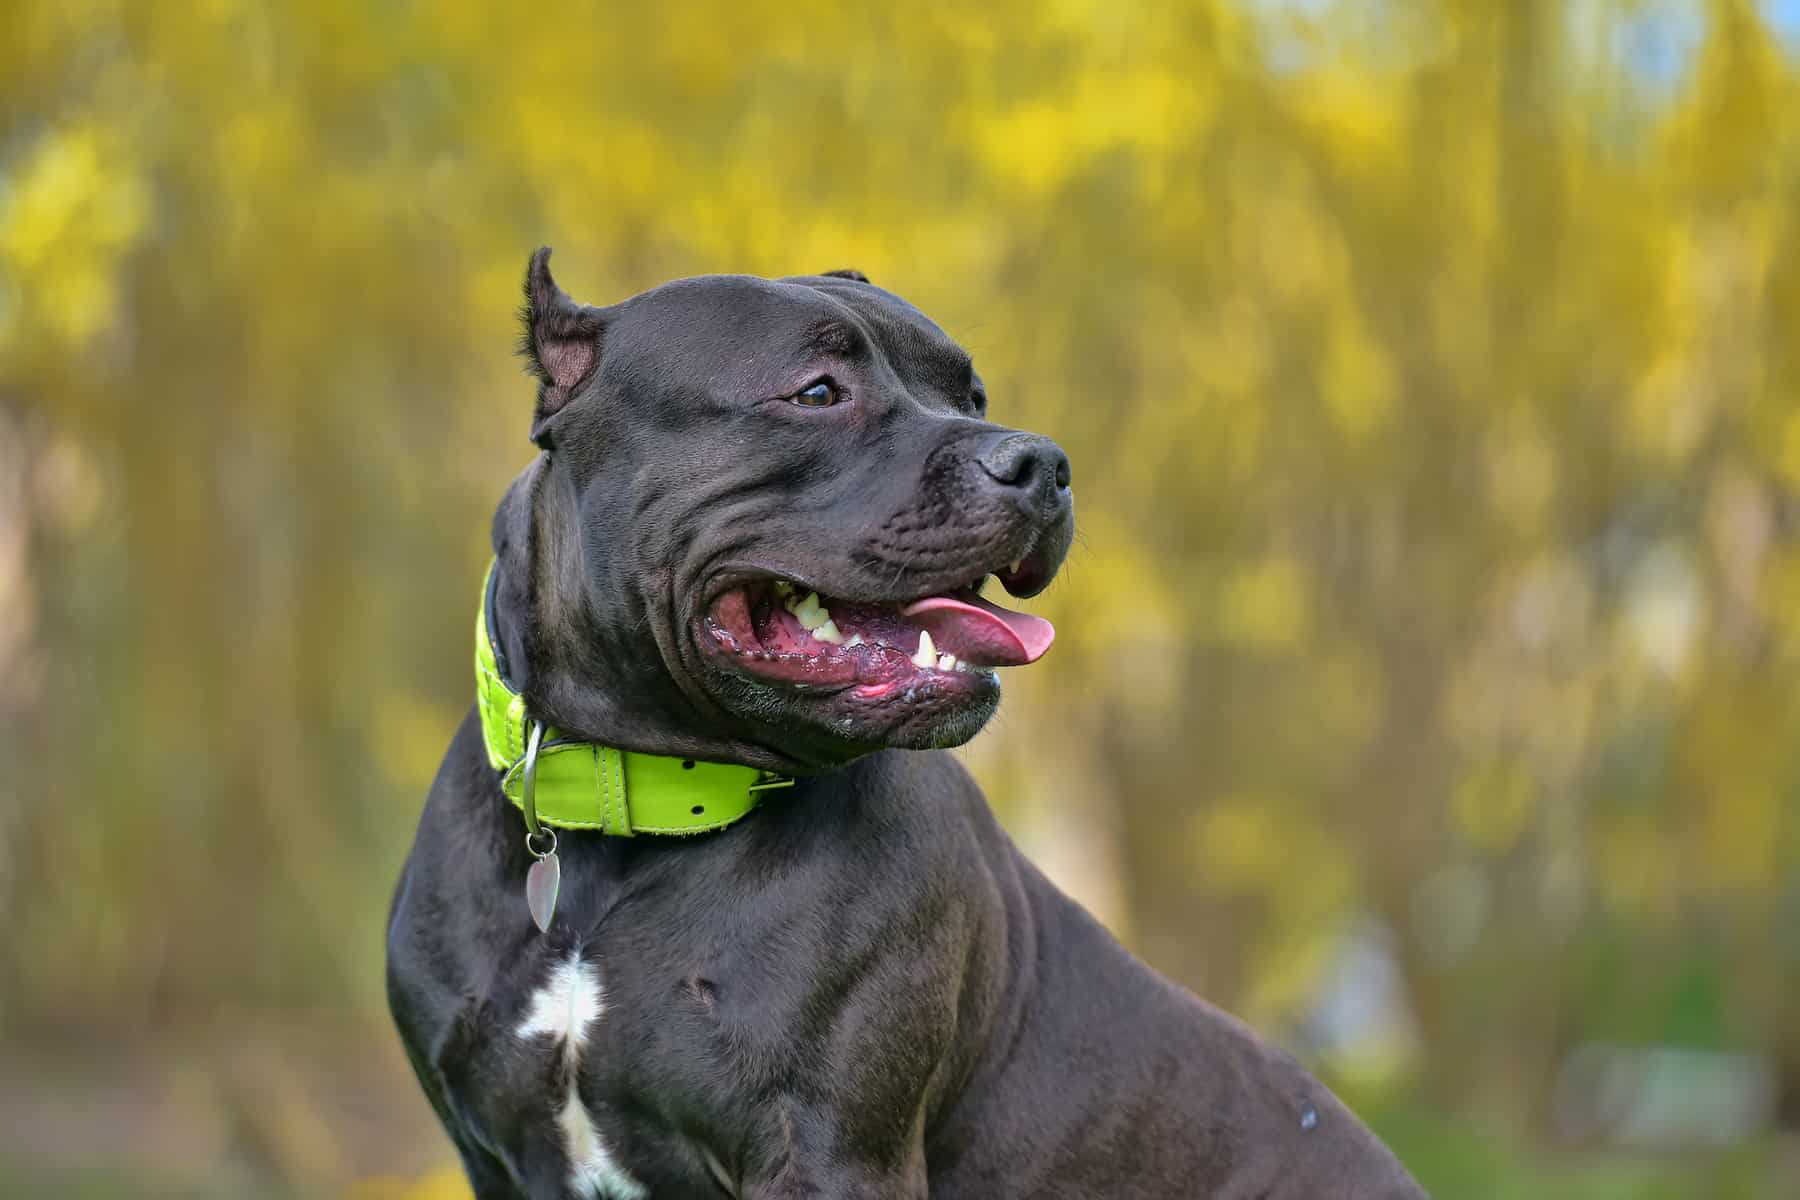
(702, 990)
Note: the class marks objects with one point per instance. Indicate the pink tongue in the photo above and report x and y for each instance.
(982, 633)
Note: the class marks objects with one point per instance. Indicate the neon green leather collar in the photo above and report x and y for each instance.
(584, 785)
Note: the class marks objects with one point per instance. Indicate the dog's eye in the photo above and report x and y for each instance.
(818, 395)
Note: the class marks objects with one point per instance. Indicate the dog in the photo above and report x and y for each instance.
(743, 571)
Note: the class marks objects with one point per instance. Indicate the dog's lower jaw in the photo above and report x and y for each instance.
(796, 742)
(945, 731)
(820, 727)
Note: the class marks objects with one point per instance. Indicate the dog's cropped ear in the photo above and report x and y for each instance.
(846, 273)
(561, 339)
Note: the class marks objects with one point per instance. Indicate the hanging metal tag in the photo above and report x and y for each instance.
(544, 880)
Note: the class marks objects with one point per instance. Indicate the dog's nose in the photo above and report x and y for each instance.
(1031, 466)
(1026, 460)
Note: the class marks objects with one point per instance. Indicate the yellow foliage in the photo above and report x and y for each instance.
(1788, 458)
(1521, 474)
(1265, 605)
(1254, 846)
(1230, 354)
(1287, 969)
(1355, 381)
(1634, 863)
(74, 207)
(1042, 143)
(1243, 843)
(1493, 804)
(1347, 704)
(408, 738)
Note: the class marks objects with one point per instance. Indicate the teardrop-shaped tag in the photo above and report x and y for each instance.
(541, 884)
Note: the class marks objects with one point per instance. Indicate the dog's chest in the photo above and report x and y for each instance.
(554, 1036)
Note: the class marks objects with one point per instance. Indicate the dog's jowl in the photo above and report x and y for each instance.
(776, 944)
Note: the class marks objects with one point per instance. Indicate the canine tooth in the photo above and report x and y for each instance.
(828, 632)
(946, 662)
(926, 656)
(1014, 569)
(810, 613)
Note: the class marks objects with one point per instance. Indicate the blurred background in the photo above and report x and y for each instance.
(1428, 686)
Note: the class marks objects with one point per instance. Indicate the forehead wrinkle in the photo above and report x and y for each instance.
(902, 333)
(931, 358)
(832, 337)
(893, 329)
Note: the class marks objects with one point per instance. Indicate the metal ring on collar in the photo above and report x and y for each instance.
(531, 842)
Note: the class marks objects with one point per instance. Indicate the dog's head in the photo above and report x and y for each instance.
(766, 508)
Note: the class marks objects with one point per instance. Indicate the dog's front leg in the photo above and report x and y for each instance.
(842, 1181)
(807, 1153)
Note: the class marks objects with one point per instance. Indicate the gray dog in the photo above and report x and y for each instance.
(733, 598)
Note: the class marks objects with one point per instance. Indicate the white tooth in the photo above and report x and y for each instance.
(810, 613)
(1014, 569)
(828, 632)
(946, 662)
(856, 639)
(926, 656)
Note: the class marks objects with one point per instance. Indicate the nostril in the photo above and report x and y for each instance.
(1010, 460)
(1025, 461)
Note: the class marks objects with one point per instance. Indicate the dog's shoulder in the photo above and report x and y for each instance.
(436, 919)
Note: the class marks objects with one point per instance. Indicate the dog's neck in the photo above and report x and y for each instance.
(577, 672)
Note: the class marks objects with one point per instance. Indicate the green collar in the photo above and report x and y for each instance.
(584, 785)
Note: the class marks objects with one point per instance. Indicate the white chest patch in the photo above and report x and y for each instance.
(568, 1004)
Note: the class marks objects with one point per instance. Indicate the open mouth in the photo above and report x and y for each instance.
(785, 632)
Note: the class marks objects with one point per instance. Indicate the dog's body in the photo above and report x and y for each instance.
(862, 989)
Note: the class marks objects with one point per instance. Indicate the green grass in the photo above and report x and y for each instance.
(1456, 1162)
(121, 1181)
